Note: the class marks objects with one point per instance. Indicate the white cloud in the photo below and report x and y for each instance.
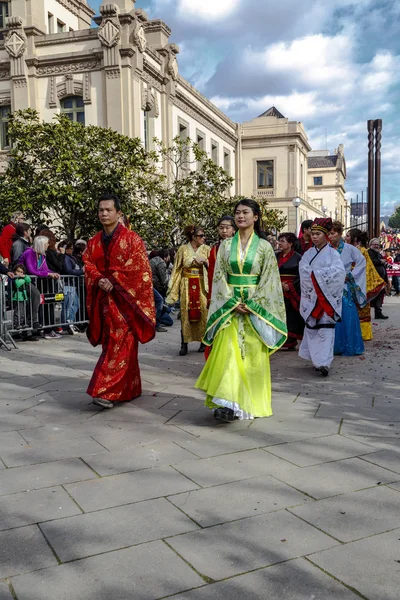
(207, 10)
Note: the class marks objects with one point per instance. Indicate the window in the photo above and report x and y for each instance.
(214, 152)
(74, 108)
(183, 129)
(4, 112)
(317, 180)
(60, 26)
(4, 13)
(227, 161)
(146, 121)
(301, 177)
(200, 140)
(265, 174)
(50, 23)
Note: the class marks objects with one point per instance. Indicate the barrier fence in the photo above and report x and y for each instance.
(32, 304)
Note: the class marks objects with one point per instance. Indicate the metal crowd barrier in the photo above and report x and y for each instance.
(43, 303)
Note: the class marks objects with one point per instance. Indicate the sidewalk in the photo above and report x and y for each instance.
(156, 499)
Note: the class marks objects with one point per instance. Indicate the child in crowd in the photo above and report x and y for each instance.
(20, 296)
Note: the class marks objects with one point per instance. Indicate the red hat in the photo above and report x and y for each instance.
(322, 224)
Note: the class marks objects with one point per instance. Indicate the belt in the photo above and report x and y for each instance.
(243, 280)
(192, 273)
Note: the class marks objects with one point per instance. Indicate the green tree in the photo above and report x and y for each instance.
(57, 170)
(394, 220)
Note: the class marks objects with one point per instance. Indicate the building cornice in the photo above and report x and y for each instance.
(192, 109)
(76, 7)
(66, 63)
(67, 37)
(152, 76)
(259, 140)
(157, 25)
(192, 90)
(154, 55)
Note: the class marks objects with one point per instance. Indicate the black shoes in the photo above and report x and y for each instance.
(380, 316)
(324, 371)
(202, 348)
(184, 349)
(224, 414)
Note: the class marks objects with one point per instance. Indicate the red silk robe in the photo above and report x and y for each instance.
(122, 318)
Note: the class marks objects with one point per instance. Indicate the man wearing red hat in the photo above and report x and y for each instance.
(322, 277)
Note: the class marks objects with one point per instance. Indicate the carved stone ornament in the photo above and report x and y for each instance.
(173, 67)
(15, 44)
(109, 34)
(139, 37)
(66, 68)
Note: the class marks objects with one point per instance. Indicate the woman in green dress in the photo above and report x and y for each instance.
(246, 322)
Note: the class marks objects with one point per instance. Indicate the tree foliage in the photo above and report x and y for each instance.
(58, 170)
(394, 220)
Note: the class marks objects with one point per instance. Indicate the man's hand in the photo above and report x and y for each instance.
(242, 309)
(54, 275)
(106, 285)
(10, 275)
(285, 287)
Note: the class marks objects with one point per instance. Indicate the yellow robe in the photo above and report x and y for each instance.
(375, 284)
(178, 289)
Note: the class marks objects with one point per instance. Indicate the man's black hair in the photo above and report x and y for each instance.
(306, 224)
(116, 200)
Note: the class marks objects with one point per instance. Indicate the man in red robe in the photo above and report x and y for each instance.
(120, 304)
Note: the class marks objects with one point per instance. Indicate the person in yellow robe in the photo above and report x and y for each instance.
(246, 322)
(375, 283)
(189, 284)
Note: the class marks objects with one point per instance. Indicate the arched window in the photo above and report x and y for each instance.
(4, 114)
(74, 108)
(4, 12)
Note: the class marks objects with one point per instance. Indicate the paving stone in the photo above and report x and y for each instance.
(330, 479)
(190, 404)
(31, 454)
(145, 572)
(320, 450)
(292, 580)
(128, 488)
(385, 458)
(144, 457)
(11, 422)
(233, 467)
(137, 414)
(356, 413)
(5, 593)
(26, 508)
(115, 528)
(370, 566)
(223, 442)
(48, 413)
(21, 387)
(237, 500)
(23, 549)
(353, 516)
(380, 443)
(33, 477)
(371, 428)
(50, 433)
(135, 435)
(11, 439)
(297, 424)
(233, 548)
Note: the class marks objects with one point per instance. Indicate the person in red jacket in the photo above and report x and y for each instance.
(6, 237)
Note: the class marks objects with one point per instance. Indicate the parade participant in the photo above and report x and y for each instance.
(322, 277)
(120, 304)
(226, 229)
(246, 322)
(379, 265)
(305, 241)
(189, 284)
(288, 264)
(348, 338)
(374, 283)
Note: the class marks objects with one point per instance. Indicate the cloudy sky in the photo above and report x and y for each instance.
(330, 64)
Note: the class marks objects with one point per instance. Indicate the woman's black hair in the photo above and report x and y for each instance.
(289, 237)
(255, 208)
(190, 231)
(356, 235)
(20, 229)
(228, 218)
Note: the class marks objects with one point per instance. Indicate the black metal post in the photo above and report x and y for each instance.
(378, 146)
(370, 127)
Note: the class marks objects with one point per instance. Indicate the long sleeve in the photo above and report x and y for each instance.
(176, 276)
(29, 259)
(3, 269)
(69, 267)
(54, 261)
(6, 241)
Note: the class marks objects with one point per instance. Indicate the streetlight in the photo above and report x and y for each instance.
(296, 203)
(324, 209)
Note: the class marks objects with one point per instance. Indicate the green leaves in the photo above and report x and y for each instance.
(58, 170)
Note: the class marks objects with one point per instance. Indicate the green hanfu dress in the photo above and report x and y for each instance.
(237, 372)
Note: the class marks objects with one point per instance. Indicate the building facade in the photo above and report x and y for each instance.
(123, 74)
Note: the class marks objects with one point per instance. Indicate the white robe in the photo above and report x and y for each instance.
(355, 266)
(329, 273)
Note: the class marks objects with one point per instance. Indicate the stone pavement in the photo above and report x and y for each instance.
(155, 499)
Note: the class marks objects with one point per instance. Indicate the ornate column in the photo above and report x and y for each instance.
(15, 45)
(109, 34)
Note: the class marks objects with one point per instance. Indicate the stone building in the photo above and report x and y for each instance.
(326, 181)
(124, 74)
